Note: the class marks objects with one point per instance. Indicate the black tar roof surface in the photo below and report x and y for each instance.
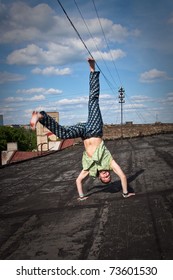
(42, 219)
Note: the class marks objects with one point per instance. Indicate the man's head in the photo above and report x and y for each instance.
(105, 176)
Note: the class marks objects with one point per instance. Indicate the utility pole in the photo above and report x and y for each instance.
(121, 101)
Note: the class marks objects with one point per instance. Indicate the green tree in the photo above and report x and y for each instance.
(26, 139)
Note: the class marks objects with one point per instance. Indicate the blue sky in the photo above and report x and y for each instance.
(43, 62)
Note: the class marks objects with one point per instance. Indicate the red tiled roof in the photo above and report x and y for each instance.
(19, 156)
(66, 143)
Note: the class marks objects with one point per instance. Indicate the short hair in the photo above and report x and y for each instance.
(105, 182)
(98, 172)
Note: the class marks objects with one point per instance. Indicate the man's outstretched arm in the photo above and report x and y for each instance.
(80, 178)
(117, 169)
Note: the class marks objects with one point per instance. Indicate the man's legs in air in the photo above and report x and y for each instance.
(93, 128)
(62, 132)
(94, 125)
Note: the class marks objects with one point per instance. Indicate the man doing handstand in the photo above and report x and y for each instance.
(97, 160)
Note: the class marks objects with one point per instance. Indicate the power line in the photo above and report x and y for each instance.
(108, 82)
(94, 40)
(106, 41)
(140, 116)
(75, 28)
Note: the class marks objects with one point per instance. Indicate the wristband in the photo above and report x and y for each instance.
(125, 194)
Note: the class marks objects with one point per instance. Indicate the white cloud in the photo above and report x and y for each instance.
(21, 99)
(50, 40)
(105, 96)
(153, 75)
(114, 32)
(34, 55)
(140, 98)
(49, 71)
(23, 23)
(170, 94)
(129, 107)
(170, 20)
(113, 54)
(118, 33)
(12, 99)
(54, 91)
(37, 98)
(80, 100)
(57, 54)
(170, 97)
(39, 90)
(31, 55)
(6, 77)
(6, 110)
(31, 90)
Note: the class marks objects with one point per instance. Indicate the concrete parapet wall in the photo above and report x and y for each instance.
(6, 156)
(135, 130)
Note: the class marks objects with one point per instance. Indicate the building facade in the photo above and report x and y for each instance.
(44, 135)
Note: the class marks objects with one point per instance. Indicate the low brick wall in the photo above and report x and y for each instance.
(135, 130)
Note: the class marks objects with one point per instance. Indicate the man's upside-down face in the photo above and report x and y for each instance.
(105, 176)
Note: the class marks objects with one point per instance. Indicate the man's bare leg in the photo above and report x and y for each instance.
(34, 119)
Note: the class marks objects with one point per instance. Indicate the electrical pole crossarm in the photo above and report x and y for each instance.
(121, 101)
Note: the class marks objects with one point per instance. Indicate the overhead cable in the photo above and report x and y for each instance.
(85, 44)
(94, 40)
(108, 82)
(106, 40)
